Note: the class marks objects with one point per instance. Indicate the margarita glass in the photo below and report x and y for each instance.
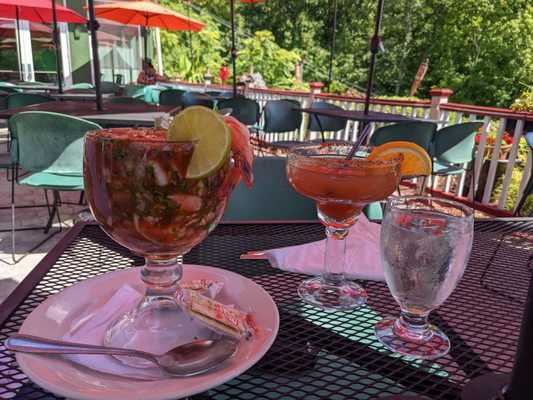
(340, 188)
(136, 186)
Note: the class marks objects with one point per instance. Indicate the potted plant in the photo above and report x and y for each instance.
(490, 141)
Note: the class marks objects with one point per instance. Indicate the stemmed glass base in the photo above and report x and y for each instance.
(157, 324)
(331, 296)
(425, 342)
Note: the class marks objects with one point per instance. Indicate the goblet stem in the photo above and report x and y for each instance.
(334, 256)
(412, 327)
(161, 275)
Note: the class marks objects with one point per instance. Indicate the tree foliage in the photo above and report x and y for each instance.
(481, 49)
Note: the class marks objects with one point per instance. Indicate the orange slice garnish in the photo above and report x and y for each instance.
(416, 160)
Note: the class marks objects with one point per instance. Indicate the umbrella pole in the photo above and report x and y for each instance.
(374, 48)
(332, 53)
(57, 48)
(233, 49)
(19, 49)
(93, 26)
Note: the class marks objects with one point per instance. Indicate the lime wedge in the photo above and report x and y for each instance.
(213, 136)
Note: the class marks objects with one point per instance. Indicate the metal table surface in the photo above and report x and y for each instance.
(317, 354)
(112, 114)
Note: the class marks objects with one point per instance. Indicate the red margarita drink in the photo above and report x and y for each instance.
(340, 188)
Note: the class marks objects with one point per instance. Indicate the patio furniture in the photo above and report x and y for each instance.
(109, 87)
(124, 100)
(17, 100)
(528, 188)
(281, 118)
(197, 99)
(321, 123)
(171, 97)
(316, 354)
(50, 147)
(245, 110)
(271, 197)
(82, 85)
(112, 115)
(418, 132)
(453, 145)
(134, 91)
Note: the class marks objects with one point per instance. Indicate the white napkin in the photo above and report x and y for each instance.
(89, 328)
(362, 254)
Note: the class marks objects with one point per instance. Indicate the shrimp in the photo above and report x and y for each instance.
(242, 155)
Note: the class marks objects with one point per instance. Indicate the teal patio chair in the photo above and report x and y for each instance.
(244, 110)
(321, 123)
(50, 147)
(134, 91)
(454, 145)
(17, 100)
(418, 132)
(279, 117)
(271, 197)
(171, 97)
(528, 189)
(197, 99)
(109, 87)
(82, 85)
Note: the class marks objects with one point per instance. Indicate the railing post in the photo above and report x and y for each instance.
(438, 96)
(315, 88)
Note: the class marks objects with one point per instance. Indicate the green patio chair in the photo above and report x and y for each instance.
(171, 97)
(197, 99)
(454, 145)
(528, 189)
(123, 100)
(419, 132)
(50, 147)
(271, 197)
(134, 91)
(17, 100)
(321, 123)
(82, 85)
(279, 117)
(109, 87)
(245, 110)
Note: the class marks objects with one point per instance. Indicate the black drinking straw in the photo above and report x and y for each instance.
(358, 142)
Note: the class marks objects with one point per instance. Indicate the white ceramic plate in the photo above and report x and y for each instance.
(53, 317)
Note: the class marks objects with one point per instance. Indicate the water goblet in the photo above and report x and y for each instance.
(425, 246)
(340, 188)
(137, 190)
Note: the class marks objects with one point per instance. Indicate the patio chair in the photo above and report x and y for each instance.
(453, 145)
(119, 79)
(245, 110)
(279, 117)
(17, 100)
(528, 189)
(57, 165)
(171, 97)
(109, 87)
(197, 99)
(82, 85)
(320, 123)
(123, 100)
(134, 91)
(271, 197)
(229, 95)
(80, 91)
(419, 132)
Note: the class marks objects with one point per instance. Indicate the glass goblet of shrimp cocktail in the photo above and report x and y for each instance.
(160, 193)
(340, 188)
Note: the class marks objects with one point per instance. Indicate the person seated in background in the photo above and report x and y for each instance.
(148, 76)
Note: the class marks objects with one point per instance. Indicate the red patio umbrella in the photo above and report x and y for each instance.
(148, 14)
(43, 11)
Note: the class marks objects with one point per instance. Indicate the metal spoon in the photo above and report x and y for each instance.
(185, 360)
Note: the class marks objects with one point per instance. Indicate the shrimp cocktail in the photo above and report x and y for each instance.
(340, 188)
(159, 193)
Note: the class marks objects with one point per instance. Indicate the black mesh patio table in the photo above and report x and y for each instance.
(317, 354)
